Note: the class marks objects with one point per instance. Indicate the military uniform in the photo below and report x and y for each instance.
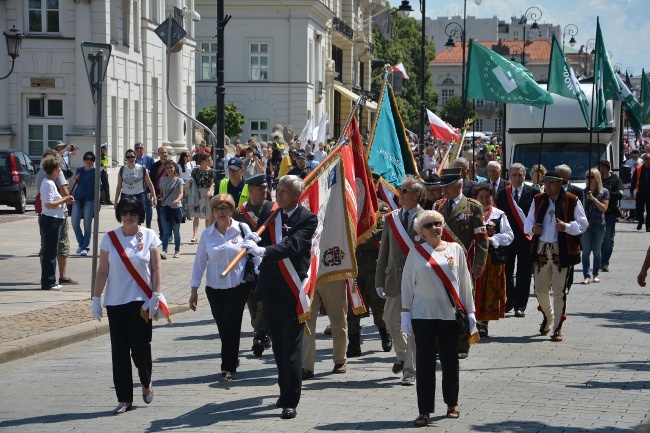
(367, 254)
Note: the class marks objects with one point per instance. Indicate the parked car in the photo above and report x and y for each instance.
(17, 179)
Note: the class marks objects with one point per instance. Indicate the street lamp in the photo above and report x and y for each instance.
(590, 49)
(532, 13)
(617, 68)
(404, 10)
(630, 71)
(96, 57)
(14, 40)
(571, 30)
(514, 51)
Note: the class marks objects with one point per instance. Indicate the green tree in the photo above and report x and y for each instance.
(405, 47)
(234, 119)
(452, 111)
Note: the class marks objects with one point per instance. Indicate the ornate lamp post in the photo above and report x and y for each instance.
(14, 39)
(532, 13)
(571, 30)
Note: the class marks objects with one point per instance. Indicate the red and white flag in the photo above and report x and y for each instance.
(440, 129)
(400, 68)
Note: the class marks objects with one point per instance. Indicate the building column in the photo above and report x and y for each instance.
(175, 136)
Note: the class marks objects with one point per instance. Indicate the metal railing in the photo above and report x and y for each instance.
(341, 27)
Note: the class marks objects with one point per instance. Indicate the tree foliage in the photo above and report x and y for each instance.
(405, 47)
(452, 111)
(234, 119)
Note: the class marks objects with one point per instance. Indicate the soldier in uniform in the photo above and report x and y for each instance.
(432, 192)
(367, 254)
(248, 213)
(464, 225)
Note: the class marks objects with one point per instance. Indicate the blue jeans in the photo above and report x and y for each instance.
(170, 225)
(608, 242)
(148, 210)
(592, 242)
(83, 209)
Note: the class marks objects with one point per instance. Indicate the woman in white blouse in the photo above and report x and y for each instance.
(427, 311)
(490, 296)
(218, 245)
(126, 301)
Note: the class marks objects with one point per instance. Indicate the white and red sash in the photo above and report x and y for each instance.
(354, 294)
(403, 239)
(447, 278)
(516, 211)
(250, 216)
(289, 273)
(388, 196)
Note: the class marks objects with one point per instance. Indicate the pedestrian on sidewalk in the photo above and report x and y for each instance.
(615, 187)
(171, 214)
(84, 203)
(51, 221)
(128, 254)
(596, 202)
(219, 244)
(132, 179)
(201, 190)
(185, 167)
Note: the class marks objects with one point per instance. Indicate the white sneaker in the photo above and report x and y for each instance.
(163, 255)
(408, 380)
(79, 250)
(56, 287)
(177, 255)
(83, 253)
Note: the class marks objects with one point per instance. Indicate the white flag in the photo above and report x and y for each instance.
(320, 132)
(307, 132)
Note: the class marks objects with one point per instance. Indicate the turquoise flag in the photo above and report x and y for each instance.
(493, 78)
(389, 154)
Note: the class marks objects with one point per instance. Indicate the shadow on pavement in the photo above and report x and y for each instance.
(54, 418)
(535, 426)
(624, 319)
(366, 426)
(627, 385)
(320, 382)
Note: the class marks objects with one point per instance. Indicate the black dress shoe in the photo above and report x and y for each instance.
(306, 374)
(519, 313)
(398, 366)
(288, 413)
(509, 307)
(639, 226)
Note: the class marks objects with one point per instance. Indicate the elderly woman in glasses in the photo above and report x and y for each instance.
(128, 306)
(435, 280)
(218, 245)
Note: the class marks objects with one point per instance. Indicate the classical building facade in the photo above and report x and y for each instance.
(288, 62)
(47, 97)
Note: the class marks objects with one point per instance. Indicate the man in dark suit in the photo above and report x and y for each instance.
(494, 177)
(515, 201)
(279, 299)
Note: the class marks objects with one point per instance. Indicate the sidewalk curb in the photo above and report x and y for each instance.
(57, 338)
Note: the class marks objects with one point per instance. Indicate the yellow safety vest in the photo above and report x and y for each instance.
(223, 189)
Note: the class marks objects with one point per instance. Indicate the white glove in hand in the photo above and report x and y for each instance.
(97, 308)
(407, 327)
(471, 318)
(254, 236)
(252, 248)
(380, 292)
(152, 305)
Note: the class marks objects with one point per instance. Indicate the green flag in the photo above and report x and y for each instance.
(630, 105)
(491, 77)
(562, 80)
(645, 96)
(607, 86)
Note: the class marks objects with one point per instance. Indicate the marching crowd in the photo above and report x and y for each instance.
(454, 256)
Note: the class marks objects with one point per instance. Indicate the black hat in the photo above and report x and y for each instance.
(433, 180)
(310, 156)
(300, 154)
(257, 180)
(235, 163)
(449, 176)
(634, 152)
(376, 176)
(552, 176)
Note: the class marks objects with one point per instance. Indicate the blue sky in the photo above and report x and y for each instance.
(625, 24)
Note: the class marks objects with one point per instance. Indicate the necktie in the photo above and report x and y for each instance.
(450, 206)
(516, 196)
(494, 185)
(405, 220)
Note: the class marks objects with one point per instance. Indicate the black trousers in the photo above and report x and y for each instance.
(51, 231)
(643, 205)
(130, 336)
(105, 188)
(287, 335)
(436, 337)
(518, 290)
(227, 307)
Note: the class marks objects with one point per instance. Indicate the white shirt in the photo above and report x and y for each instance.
(121, 288)
(185, 175)
(505, 236)
(633, 164)
(422, 291)
(549, 234)
(320, 155)
(430, 163)
(412, 213)
(455, 201)
(215, 252)
(132, 180)
(49, 193)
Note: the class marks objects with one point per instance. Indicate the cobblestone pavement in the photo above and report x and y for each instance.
(597, 380)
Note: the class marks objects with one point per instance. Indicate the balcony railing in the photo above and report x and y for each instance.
(341, 27)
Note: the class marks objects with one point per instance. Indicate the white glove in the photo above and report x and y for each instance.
(97, 308)
(252, 248)
(254, 236)
(471, 318)
(380, 292)
(151, 306)
(407, 327)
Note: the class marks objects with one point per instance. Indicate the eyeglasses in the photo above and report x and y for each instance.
(404, 190)
(222, 209)
(432, 224)
(132, 212)
(130, 156)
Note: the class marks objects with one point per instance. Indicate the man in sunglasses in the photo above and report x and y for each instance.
(463, 225)
(396, 241)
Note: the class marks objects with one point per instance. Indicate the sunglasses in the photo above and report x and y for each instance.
(404, 190)
(132, 212)
(130, 157)
(432, 224)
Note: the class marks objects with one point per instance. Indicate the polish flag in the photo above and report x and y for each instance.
(440, 129)
(402, 69)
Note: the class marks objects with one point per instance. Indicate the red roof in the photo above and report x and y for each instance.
(537, 50)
